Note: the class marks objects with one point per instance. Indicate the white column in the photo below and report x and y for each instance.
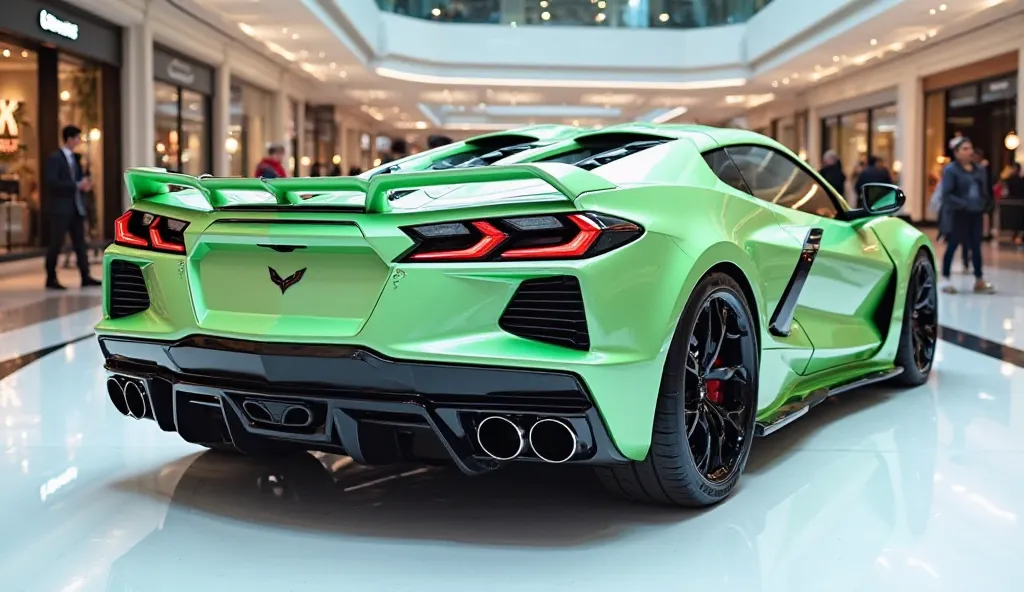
(221, 119)
(909, 139)
(137, 101)
(813, 138)
(300, 138)
(346, 147)
(279, 117)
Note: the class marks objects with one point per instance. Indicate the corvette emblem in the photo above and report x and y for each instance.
(287, 282)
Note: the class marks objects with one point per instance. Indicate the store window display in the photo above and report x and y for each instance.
(80, 106)
(19, 150)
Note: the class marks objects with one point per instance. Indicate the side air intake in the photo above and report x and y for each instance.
(548, 310)
(128, 294)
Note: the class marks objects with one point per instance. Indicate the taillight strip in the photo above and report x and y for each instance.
(589, 231)
(492, 237)
(158, 241)
(124, 236)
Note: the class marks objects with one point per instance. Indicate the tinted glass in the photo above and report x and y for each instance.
(726, 170)
(775, 178)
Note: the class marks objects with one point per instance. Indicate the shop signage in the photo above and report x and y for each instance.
(49, 22)
(999, 90)
(180, 71)
(8, 127)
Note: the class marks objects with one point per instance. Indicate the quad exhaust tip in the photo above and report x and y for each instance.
(500, 438)
(129, 397)
(553, 441)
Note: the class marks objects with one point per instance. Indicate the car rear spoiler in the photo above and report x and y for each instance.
(222, 193)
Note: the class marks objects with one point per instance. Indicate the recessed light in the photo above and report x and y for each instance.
(284, 30)
(795, 75)
(322, 54)
(932, 11)
(295, 35)
(785, 80)
(421, 125)
(543, 3)
(545, 15)
(343, 74)
(663, 17)
(775, 84)
(333, 65)
(436, 12)
(923, 38)
(932, 33)
(24, 53)
(7, 53)
(874, 42)
(942, 7)
(835, 59)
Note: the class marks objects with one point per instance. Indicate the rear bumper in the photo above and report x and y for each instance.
(363, 404)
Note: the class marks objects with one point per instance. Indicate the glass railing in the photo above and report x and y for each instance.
(595, 13)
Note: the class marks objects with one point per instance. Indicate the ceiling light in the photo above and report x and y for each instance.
(333, 65)
(874, 42)
(835, 59)
(7, 53)
(560, 83)
(600, 17)
(602, 5)
(543, 3)
(247, 29)
(785, 80)
(295, 36)
(436, 12)
(231, 145)
(932, 11)
(304, 161)
(343, 74)
(64, 95)
(670, 115)
(421, 125)
(1011, 141)
(775, 83)
(923, 38)
(322, 54)
(663, 17)
(336, 159)
(795, 75)
(734, 99)
(545, 15)
(284, 30)
(932, 33)
(942, 7)
(95, 134)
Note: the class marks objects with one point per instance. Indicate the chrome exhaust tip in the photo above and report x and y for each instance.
(135, 400)
(116, 393)
(553, 441)
(500, 438)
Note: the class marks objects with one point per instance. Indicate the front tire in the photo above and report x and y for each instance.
(919, 335)
(704, 420)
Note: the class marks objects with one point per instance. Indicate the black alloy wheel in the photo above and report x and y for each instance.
(924, 318)
(920, 329)
(717, 386)
(704, 418)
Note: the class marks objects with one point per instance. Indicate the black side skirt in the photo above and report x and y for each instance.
(782, 318)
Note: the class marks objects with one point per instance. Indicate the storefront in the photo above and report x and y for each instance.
(320, 141)
(856, 135)
(59, 66)
(183, 90)
(978, 101)
(249, 130)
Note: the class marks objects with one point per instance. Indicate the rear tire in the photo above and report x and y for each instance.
(919, 334)
(708, 388)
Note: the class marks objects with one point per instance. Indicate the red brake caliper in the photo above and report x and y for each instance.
(714, 386)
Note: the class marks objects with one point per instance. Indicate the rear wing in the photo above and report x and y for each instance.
(223, 193)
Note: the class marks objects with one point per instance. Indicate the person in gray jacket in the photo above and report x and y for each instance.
(965, 196)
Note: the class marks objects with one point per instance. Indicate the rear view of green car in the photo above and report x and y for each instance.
(645, 299)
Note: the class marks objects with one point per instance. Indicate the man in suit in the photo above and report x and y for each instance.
(65, 184)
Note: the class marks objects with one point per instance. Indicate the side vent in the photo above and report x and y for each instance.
(548, 310)
(128, 294)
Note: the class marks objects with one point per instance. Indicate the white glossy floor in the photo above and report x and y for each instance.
(878, 490)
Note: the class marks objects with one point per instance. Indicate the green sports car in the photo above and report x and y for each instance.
(645, 299)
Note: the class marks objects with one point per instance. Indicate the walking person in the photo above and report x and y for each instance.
(833, 173)
(965, 196)
(65, 185)
(272, 167)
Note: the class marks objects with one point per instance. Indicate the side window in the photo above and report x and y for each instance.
(726, 170)
(775, 178)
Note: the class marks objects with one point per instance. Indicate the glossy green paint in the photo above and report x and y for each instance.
(355, 293)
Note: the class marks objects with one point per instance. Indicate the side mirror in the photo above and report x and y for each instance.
(878, 199)
(881, 199)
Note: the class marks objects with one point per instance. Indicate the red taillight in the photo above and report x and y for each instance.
(580, 244)
(542, 237)
(123, 236)
(133, 228)
(159, 243)
(491, 238)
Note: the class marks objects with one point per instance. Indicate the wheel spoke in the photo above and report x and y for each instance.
(706, 458)
(716, 333)
(726, 417)
(690, 417)
(726, 374)
(717, 440)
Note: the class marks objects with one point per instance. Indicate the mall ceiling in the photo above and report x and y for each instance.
(338, 48)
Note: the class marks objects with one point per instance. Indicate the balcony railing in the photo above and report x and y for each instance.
(594, 13)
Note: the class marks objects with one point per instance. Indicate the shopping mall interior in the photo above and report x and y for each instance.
(877, 489)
